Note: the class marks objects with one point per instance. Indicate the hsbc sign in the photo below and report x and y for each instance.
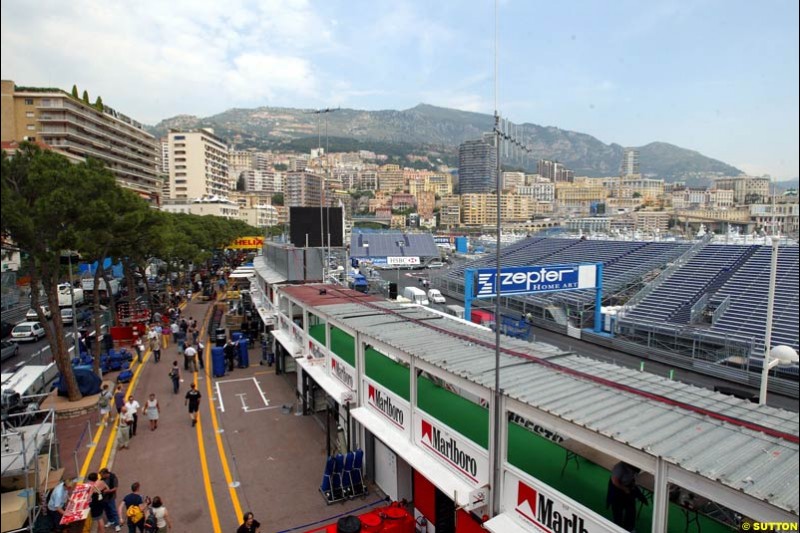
(401, 261)
(538, 507)
(456, 451)
(388, 405)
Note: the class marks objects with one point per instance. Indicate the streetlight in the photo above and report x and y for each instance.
(74, 311)
(400, 244)
(780, 355)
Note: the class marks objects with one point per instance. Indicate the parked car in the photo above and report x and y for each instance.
(32, 315)
(27, 331)
(435, 264)
(435, 296)
(67, 317)
(7, 327)
(10, 349)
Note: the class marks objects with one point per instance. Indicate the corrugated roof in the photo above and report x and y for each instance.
(313, 294)
(760, 465)
(265, 272)
(387, 245)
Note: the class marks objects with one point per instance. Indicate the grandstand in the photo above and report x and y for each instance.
(378, 246)
(702, 301)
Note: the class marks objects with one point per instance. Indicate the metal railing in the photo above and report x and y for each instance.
(698, 308)
(720, 310)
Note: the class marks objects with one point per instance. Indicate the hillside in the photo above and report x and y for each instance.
(425, 129)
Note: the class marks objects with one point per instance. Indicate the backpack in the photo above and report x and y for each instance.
(134, 514)
(174, 372)
(150, 523)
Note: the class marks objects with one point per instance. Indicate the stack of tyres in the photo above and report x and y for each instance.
(220, 337)
(218, 361)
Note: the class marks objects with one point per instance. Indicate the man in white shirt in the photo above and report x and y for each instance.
(190, 358)
(133, 408)
(123, 432)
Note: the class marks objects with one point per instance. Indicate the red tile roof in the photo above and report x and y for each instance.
(334, 294)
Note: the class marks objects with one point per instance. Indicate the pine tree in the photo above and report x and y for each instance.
(86, 97)
(99, 104)
(75, 92)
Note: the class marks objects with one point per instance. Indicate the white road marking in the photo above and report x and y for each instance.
(219, 397)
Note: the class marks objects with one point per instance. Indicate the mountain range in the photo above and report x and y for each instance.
(437, 131)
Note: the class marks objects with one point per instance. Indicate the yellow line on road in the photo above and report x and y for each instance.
(212, 505)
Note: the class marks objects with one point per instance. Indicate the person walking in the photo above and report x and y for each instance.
(249, 524)
(119, 398)
(190, 358)
(152, 410)
(154, 339)
(622, 495)
(175, 376)
(195, 330)
(230, 354)
(135, 519)
(163, 522)
(104, 404)
(123, 430)
(193, 401)
(96, 504)
(133, 409)
(175, 329)
(109, 497)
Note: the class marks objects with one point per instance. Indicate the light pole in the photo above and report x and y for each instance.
(400, 244)
(780, 354)
(74, 312)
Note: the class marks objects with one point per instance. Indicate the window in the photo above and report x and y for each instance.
(179, 137)
(29, 114)
(31, 127)
(29, 101)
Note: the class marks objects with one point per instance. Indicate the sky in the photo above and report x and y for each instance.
(716, 76)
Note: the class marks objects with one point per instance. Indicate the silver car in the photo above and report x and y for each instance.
(10, 349)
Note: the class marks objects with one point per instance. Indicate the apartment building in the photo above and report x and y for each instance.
(746, 189)
(198, 165)
(511, 180)
(554, 171)
(477, 167)
(578, 197)
(783, 215)
(426, 202)
(481, 209)
(391, 178)
(701, 198)
(541, 192)
(261, 180)
(79, 130)
(303, 189)
(211, 205)
(259, 216)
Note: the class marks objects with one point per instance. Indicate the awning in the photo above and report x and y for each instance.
(443, 478)
(288, 342)
(503, 523)
(334, 388)
(266, 273)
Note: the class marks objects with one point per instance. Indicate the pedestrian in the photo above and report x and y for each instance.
(622, 495)
(104, 404)
(230, 354)
(154, 338)
(152, 410)
(57, 504)
(123, 430)
(109, 497)
(128, 506)
(139, 347)
(119, 398)
(96, 504)
(200, 347)
(133, 409)
(175, 376)
(175, 329)
(249, 524)
(193, 401)
(163, 522)
(190, 358)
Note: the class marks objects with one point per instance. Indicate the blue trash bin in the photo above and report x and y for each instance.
(244, 357)
(218, 361)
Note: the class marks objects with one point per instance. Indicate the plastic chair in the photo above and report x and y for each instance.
(326, 486)
(347, 478)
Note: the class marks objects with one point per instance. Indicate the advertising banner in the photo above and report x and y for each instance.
(452, 449)
(533, 279)
(345, 373)
(247, 243)
(402, 261)
(388, 406)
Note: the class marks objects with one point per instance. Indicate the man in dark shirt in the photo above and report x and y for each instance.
(193, 401)
(110, 495)
(134, 498)
(230, 354)
(622, 495)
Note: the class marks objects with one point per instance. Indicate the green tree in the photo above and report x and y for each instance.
(42, 195)
(75, 92)
(277, 198)
(240, 184)
(86, 97)
(99, 104)
(280, 167)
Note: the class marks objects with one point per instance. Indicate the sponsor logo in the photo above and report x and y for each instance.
(315, 351)
(402, 260)
(247, 242)
(341, 373)
(534, 279)
(537, 508)
(383, 403)
(447, 447)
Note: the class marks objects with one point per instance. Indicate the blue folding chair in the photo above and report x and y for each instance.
(357, 480)
(336, 478)
(347, 479)
(326, 488)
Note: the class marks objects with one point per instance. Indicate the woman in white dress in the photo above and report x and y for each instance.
(163, 522)
(152, 410)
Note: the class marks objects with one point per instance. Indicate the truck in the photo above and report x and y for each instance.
(88, 286)
(416, 295)
(455, 310)
(65, 295)
(435, 296)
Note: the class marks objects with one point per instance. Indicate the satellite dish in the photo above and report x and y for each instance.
(785, 355)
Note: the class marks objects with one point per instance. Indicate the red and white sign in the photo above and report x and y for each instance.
(388, 406)
(453, 449)
(78, 505)
(542, 509)
(343, 372)
(401, 261)
(315, 349)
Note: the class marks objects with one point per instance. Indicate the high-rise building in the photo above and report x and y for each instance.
(198, 165)
(554, 171)
(79, 130)
(303, 189)
(746, 189)
(391, 178)
(630, 162)
(477, 167)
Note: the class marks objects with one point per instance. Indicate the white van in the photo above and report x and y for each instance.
(65, 295)
(435, 296)
(415, 295)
